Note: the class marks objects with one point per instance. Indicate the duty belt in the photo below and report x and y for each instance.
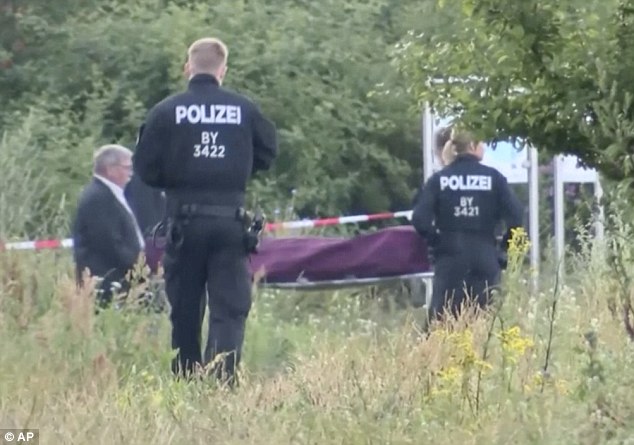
(192, 210)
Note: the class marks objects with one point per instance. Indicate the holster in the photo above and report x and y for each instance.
(175, 233)
(253, 225)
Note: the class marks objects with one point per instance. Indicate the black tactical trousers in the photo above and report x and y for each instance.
(466, 268)
(211, 257)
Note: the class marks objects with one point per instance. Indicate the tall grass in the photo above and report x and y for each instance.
(553, 369)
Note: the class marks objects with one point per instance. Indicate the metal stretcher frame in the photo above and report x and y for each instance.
(425, 277)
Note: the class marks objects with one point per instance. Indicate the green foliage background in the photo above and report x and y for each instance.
(343, 82)
(74, 75)
(555, 74)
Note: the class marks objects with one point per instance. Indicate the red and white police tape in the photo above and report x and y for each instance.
(338, 220)
(301, 224)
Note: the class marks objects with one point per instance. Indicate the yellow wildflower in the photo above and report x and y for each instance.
(514, 344)
(518, 246)
(519, 242)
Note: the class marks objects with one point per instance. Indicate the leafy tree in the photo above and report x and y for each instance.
(101, 64)
(555, 74)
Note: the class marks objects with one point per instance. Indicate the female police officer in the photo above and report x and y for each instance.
(457, 212)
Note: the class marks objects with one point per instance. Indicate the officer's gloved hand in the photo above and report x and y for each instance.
(503, 260)
(432, 244)
(431, 254)
(251, 241)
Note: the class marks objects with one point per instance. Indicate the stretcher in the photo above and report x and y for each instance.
(319, 262)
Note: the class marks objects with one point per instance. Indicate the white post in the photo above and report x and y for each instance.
(560, 241)
(428, 142)
(533, 215)
(599, 223)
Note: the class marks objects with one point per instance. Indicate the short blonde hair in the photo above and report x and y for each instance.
(461, 142)
(109, 155)
(207, 55)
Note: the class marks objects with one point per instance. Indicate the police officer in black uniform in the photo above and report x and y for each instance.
(457, 212)
(201, 146)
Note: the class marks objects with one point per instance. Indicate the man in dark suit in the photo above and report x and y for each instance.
(106, 237)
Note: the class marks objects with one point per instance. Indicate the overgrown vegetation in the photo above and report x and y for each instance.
(554, 74)
(331, 368)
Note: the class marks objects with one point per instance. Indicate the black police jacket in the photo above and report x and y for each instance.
(466, 197)
(207, 140)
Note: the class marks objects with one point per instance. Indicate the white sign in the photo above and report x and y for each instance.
(514, 165)
(507, 160)
(572, 173)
